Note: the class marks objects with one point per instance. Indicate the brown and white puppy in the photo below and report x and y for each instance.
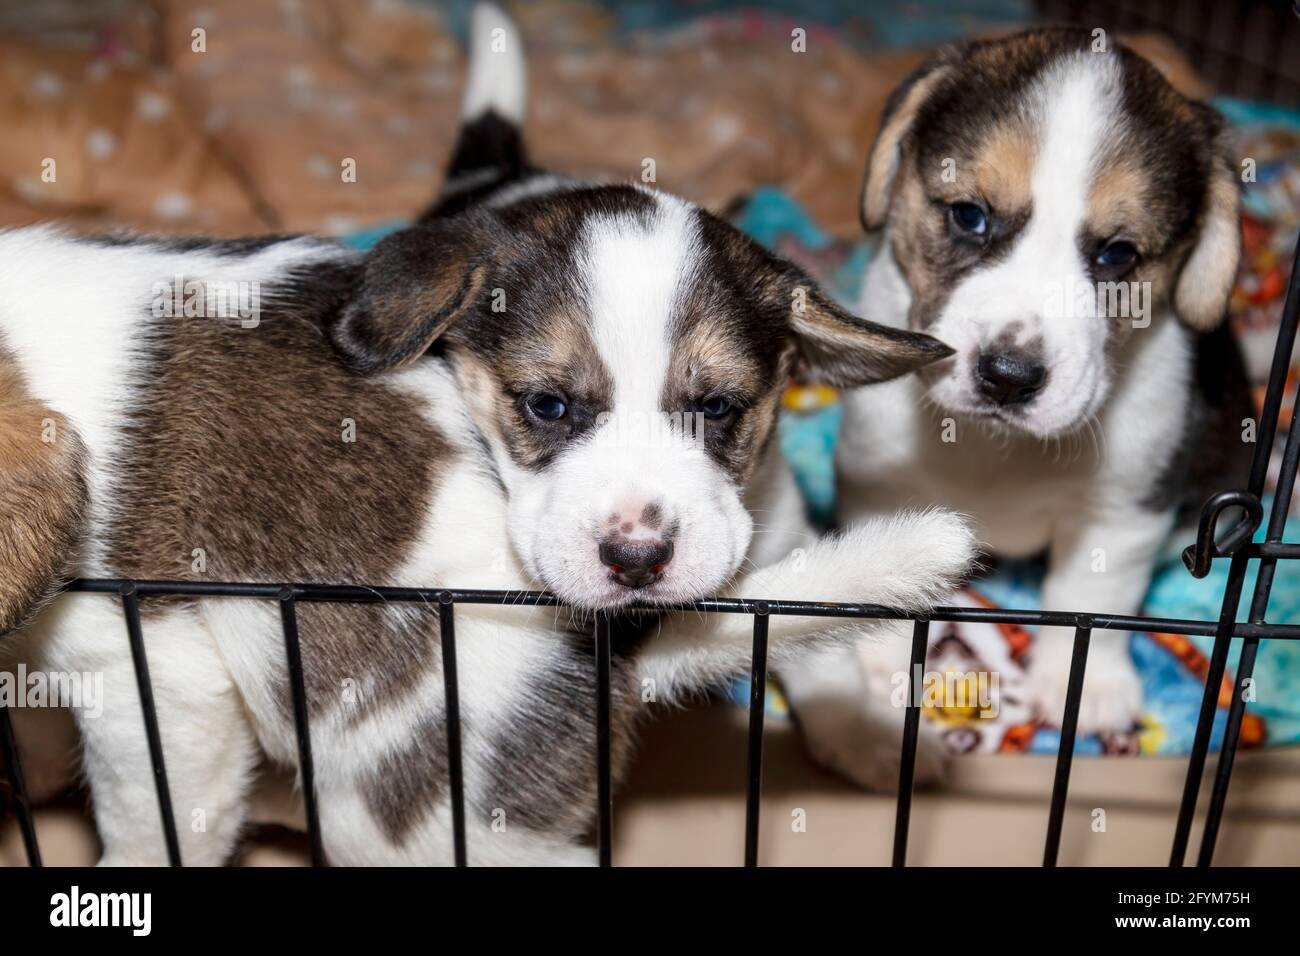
(558, 387)
(1064, 219)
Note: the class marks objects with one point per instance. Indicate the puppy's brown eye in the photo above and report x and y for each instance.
(549, 408)
(969, 218)
(1117, 255)
(717, 407)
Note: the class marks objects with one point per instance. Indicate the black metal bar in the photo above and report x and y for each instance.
(1205, 720)
(1246, 664)
(604, 786)
(1227, 755)
(754, 765)
(301, 723)
(364, 594)
(131, 609)
(1065, 752)
(1264, 437)
(22, 804)
(451, 692)
(1199, 556)
(911, 732)
(1274, 549)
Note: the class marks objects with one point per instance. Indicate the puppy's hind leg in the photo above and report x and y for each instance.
(209, 748)
(844, 701)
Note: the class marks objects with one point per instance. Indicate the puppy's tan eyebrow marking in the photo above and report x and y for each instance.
(997, 170)
(707, 357)
(1116, 204)
(1003, 168)
(558, 353)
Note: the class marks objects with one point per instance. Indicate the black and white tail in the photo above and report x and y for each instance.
(489, 151)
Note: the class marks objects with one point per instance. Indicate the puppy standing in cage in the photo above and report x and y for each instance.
(540, 385)
(1068, 222)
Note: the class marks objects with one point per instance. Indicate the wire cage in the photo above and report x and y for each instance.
(1237, 545)
(1247, 48)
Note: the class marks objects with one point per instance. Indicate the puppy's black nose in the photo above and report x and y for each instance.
(636, 563)
(1009, 378)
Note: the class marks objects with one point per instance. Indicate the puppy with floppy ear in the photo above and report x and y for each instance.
(514, 449)
(1067, 222)
(1206, 255)
(562, 388)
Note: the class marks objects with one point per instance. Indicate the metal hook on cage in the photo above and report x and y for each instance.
(1199, 556)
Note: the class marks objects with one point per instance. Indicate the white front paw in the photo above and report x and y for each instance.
(910, 560)
(1112, 689)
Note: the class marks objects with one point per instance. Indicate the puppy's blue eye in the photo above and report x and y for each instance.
(549, 408)
(716, 407)
(969, 217)
(1118, 255)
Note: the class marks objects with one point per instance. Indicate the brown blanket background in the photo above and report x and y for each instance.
(118, 114)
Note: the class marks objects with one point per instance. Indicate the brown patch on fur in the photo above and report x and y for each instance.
(43, 499)
(916, 242)
(483, 395)
(1115, 203)
(564, 361)
(709, 358)
(549, 735)
(1004, 168)
(1118, 208)
(765, 306)
(409, 781)
(1182, 211)
(235, 445)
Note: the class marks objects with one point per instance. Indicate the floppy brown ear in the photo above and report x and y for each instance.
(887, 150)
(1166, 56)
(840, 349)
(1205, 284)
(415, 284)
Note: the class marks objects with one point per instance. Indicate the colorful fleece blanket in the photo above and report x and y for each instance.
(1172, 667)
